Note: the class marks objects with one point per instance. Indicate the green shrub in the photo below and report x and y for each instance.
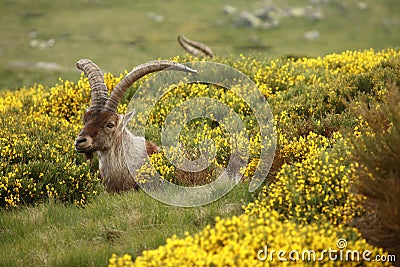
(377, 150)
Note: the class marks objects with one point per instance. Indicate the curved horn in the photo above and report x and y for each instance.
(194, 48)
(137, 73)
(96, 81)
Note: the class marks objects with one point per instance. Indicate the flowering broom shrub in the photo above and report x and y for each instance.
(306, 204)
(315, 188)
(310, 203)
(37, 155)
(377, 148)
(255, 241)
(37, 127)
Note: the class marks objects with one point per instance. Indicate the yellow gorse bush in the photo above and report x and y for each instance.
(237, 241)
(306, 205)
(37, 129)
(315, 188)
(309, 203)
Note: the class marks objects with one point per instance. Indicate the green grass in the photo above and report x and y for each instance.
(120, 34)
(53, 234)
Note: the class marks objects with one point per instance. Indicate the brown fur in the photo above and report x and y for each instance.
(120, 152)
(151, 148)
(96, 128)
(95, 120)
(119, 162)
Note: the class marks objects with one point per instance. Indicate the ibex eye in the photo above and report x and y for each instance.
(110, 125)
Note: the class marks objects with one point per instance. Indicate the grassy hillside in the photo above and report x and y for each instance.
(121, 34)
(335, 100)
(52, 234)
(326, 110)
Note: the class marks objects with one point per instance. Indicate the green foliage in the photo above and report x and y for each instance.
(38, 161)
(129, 34)
(37, 156)
(313, 100)
(377, 150)
(313, 188)
(51, 234)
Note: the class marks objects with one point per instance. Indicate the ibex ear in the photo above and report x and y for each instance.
(128, 117)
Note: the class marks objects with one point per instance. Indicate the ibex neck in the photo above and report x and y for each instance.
(127, 151)
(119, 164)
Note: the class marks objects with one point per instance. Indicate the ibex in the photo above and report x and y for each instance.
(195, 48)
(119, 151)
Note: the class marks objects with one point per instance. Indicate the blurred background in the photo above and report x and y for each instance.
(42, 39)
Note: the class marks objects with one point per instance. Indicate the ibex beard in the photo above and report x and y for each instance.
(120, 152)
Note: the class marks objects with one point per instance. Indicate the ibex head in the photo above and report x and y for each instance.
(102, 125)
